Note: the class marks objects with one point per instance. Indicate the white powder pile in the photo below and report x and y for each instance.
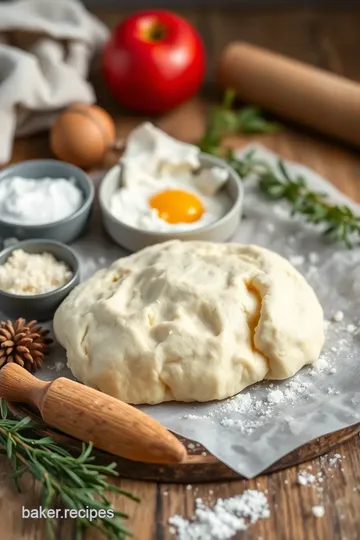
(351, 328)
(297, 260)
(315, 481)
(224, 519)
(318, 511)
(338, 316)
(192, 417)
(314, 258)
(275, 396)
(304, 478)
(255, 412)
(281, 211)
(335, 459)
(241, 403)
(59, 366)
(38, 201)
(32, 273)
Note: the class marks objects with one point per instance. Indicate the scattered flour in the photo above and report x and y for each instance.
(295, 388)
(304, 478)
(191, 417)
(281, 211)
(314, 258)
(326, 325)
(224, 519)
(241, 403)
(318, 511)
(332, 391)
(335, 459)
(59, 366)
(297, 260)
(351, 328)
(338, 316)
(275, 396)
(89, 265)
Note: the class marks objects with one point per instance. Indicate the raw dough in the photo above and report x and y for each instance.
(190, 321)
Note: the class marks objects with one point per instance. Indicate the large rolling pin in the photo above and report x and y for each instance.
(299, 92)
(92, 416)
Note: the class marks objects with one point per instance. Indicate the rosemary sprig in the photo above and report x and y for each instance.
(73, 481)
(224, 120)
(338, 221)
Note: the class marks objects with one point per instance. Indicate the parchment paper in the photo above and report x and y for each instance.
(260, 425)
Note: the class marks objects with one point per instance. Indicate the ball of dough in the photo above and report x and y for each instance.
(82, 134)
(190, 321)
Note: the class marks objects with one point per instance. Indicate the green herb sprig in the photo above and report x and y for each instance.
(339, 223)
(224, 121)
(74, 481)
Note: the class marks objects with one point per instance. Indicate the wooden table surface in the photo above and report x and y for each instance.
(329, 39)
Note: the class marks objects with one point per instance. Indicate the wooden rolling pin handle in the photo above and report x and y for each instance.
(90, 415)
(296, 91)
(17, 384)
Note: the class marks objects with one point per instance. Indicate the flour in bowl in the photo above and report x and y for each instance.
(29, 201)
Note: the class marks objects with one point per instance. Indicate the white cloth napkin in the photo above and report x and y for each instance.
(45, 51)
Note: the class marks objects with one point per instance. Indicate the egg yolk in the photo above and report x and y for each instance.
(177, 206)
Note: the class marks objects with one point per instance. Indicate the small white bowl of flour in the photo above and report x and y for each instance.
(44, 199)
(40, 201)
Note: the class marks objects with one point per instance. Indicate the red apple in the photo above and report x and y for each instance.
(154, 61)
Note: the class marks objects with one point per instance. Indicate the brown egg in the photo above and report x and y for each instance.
(82, 135)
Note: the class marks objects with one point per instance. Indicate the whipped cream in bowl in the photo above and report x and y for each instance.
(164, 189)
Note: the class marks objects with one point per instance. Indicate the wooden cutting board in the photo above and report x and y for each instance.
(200, 466)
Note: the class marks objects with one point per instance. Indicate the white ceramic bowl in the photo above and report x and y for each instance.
(134, 239)
(66, 230)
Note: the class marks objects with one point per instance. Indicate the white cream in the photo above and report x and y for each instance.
(210, 181)
(154, 162)
(27, 201)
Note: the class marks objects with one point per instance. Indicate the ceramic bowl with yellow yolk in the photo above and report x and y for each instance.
(183, 213)
(177, 206)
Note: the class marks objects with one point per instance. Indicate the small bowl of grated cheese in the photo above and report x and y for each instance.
(35, 277)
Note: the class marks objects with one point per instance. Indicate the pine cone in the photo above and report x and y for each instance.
(23, 343)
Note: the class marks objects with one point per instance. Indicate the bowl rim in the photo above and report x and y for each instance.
(84, 206)
(238, 202)
(43, 296)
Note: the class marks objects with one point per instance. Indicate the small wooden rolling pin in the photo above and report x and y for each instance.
(316, 98)
(90, 415)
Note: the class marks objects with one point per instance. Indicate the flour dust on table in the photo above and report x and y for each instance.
(257, 427)
(222, 520)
